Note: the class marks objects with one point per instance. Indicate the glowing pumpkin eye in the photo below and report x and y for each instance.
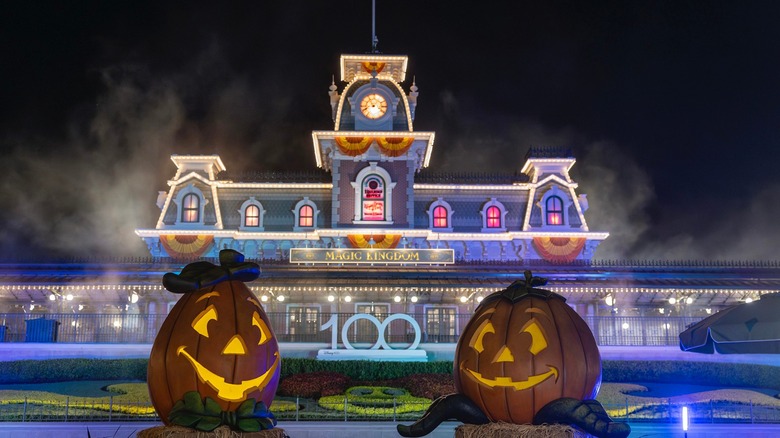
(538, 339)
(201, 322)
(265, 334)
(485, 328)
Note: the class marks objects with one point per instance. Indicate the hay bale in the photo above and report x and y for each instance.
(220, 432)
(508, 430)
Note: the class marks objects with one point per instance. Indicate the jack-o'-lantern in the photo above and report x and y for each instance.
(216, 342)
(523, 348)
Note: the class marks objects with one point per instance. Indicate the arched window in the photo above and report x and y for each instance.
(373, 198)
(440, 217)
(554, 210)
(306, 216)
(252, 216)
(493, 217)
(190, 211)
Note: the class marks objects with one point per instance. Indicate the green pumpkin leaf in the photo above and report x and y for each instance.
(266, 423)
(212, 408)
(260, 409)
(183, 419)
(249, 425)
(207, 424)
(179, 405)
(246, 408)
(193, 402)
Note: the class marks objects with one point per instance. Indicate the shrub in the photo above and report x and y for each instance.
(58, 370)
(700, 373)
(430, 386)
(364, 370)
(313, 385)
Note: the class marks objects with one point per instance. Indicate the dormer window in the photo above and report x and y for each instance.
(493, 216)
(190, 204)
(306, 214)
(252, 213)
(252, 216)
(554, 210)
(190, 211)
(554, 205)
(440, 216)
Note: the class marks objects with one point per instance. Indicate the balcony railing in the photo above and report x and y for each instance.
(314, 327)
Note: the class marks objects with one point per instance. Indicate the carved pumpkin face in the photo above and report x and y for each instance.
(522, 350)
(216, 341)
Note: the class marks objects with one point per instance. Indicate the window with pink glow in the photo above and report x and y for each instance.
(190, 208)
(252, 216)
(306, 216)
(554, 207)
(440, 219)
(373, 198)
(493, 217)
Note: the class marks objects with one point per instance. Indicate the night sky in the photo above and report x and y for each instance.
(672, 108)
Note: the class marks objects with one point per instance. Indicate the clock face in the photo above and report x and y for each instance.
(373, 106)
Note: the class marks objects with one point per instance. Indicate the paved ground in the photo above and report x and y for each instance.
(306, 429)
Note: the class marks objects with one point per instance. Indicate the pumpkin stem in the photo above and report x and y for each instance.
(523, 288)
(202, 274)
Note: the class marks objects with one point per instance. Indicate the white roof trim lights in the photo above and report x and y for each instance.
(396, 68)
(317, 234)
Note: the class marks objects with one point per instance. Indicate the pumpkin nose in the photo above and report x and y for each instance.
(235, 346)
(505, 355)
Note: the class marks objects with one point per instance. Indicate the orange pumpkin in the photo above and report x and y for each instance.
(523, 348)
(216, 341)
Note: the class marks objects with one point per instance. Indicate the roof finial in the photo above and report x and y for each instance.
(374, 39)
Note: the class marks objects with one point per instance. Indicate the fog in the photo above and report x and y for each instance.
(84, 192)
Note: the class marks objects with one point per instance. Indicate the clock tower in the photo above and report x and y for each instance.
(373, 151)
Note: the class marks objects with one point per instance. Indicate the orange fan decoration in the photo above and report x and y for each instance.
(394, 146)
(353, 146)
(186, 246)
(559, 249)
(368, 67)
(381, 241)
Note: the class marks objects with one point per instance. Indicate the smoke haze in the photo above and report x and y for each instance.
(671, 109)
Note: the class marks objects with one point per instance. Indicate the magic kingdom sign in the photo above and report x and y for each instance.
(372, 255)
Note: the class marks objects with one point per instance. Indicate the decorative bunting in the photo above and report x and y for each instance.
(381, 241)
(559, 249)
(368, 67)
(353, 146)
(394, 146)
(186, 246)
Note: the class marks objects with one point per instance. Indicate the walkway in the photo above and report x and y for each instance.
(352, 429)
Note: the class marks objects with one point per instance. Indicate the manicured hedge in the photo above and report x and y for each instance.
(364, 369)
(59, 370)
(705, 373)
(700, 373)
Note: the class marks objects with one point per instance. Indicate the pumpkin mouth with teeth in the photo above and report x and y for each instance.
(509, 383)
(230, 391)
